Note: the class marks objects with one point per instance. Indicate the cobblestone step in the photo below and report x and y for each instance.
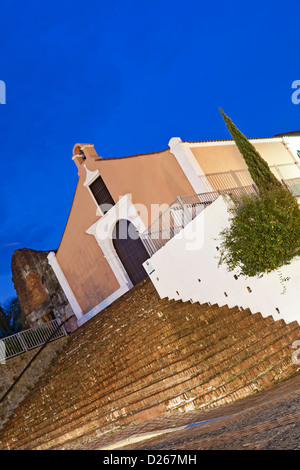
(248, 321)
(99, 423)
(243, 374)
(146, 355)
(187, 356)
(172, 342)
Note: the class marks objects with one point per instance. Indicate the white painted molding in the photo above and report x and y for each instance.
(90, 176)
(52, 260)
(102, 230)
(76, 156)
(112, 258)
(87, 146)
(81, 148)
(214, 143)
(105, 303)
(292, 143)
(189, 165)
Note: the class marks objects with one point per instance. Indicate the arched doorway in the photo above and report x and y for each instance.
(130, 249)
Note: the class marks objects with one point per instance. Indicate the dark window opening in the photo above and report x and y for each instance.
(102, 195)
(130, 249)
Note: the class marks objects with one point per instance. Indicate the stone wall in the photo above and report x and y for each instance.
(12, 369)
(40, 295)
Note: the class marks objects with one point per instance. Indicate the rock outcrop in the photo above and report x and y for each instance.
(40, 296)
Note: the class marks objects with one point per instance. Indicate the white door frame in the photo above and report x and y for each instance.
(103, 229)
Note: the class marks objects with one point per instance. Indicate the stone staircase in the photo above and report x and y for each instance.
(144, 356)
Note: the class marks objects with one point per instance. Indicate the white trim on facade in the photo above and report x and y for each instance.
(213, 143)
(189, 165)
(82, 147)
(102, 230)
(292, 143)
(110, 255)
(90, 176)
(52, 260)
(105, 303)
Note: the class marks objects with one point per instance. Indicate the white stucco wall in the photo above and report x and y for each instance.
(187, 268)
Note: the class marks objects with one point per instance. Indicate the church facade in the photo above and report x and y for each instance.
(101, 253)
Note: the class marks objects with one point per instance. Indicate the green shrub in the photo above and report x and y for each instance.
(264, 233)
(257, 166)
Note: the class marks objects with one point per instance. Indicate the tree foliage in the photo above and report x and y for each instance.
(10, 318)
(265, 229)
(264, 233)
(257, 166)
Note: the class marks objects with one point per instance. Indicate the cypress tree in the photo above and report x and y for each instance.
(265, 231)
(257, 166)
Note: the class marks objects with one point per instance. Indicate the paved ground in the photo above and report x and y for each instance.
(268, 420)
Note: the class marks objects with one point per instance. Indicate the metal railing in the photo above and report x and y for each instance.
(32, 338)
(241, 178)
(185, 208)
(169, 223)
(182, 211)
(226, 179)
(286, 171)
(293, 184)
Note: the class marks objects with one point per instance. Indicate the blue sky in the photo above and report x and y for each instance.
(127, 76)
